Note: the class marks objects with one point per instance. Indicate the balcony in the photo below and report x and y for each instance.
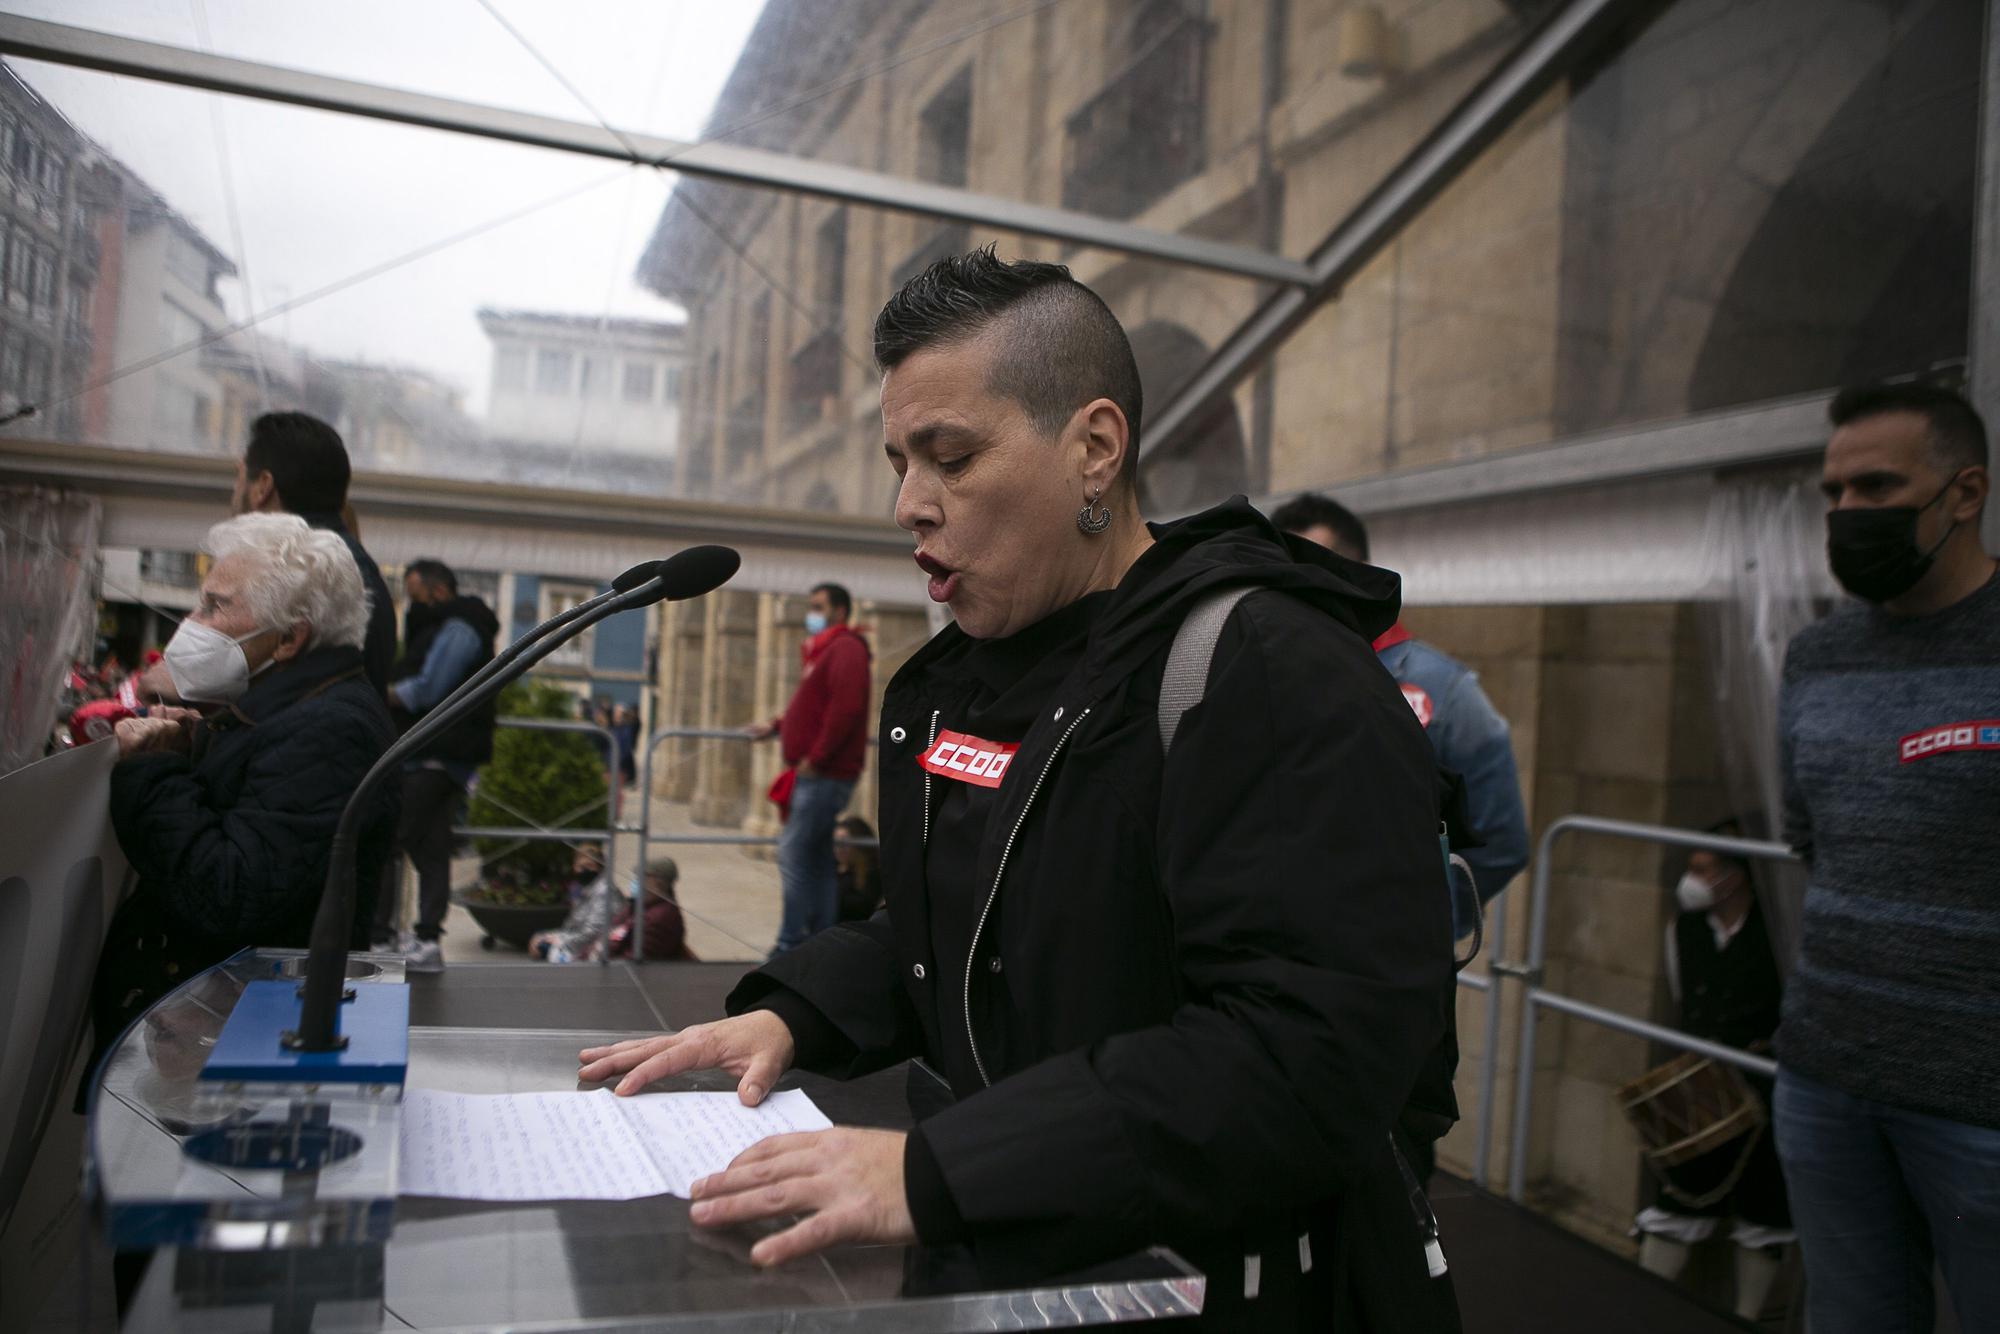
(812, 394)
(1142, 133)
(952, 238)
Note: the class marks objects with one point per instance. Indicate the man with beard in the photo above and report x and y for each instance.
(448, 636)
(1888, 1098)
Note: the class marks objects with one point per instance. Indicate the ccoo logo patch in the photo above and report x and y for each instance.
(1420, 703)
(967, 759)
(1982, 734)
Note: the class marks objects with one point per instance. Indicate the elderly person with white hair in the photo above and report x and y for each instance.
(228, 814)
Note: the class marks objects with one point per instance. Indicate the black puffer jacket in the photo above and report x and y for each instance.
(1205, 985)
(230, 843)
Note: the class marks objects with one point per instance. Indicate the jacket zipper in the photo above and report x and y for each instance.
(1000, 873)
(935, 714)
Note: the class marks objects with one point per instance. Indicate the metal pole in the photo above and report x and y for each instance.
(1666, 1037)
(62, 44)
(1983, 368)
(1524, 1066)
(1482, 1153)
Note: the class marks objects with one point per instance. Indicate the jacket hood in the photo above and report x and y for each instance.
(1218, 548)
(469, 609)
(1222, 547)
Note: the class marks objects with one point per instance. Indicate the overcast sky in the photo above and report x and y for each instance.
(320, 197)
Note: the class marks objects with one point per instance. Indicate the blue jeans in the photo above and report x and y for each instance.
(1878, 1192)
(805, 859)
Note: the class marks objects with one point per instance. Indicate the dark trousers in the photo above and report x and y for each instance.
(430, 800)
(1881, 1194)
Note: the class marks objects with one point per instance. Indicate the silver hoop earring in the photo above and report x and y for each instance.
(1091, 518)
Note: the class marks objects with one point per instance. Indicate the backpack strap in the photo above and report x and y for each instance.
(1186, 679)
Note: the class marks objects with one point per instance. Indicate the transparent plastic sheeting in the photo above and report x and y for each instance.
(1768, 538)
(463, 310)
(48, 548)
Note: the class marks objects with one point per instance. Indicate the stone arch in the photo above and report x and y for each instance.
(1208, 464)
(1850, 276)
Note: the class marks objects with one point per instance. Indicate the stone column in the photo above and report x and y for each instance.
(729, 652)
(683, 640)
(775, 674)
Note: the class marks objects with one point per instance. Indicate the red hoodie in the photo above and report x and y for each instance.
(827, 721)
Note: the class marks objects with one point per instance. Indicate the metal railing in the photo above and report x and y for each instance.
(644, 828)
(1486, 983)
(533, 832)
(1535, 998)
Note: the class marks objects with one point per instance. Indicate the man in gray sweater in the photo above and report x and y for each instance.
(1888, 1095)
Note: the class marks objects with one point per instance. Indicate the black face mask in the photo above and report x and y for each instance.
(1874, 552)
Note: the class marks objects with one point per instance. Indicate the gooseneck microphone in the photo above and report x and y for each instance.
(687, 574)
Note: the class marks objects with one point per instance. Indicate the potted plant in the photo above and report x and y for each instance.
(552, 779)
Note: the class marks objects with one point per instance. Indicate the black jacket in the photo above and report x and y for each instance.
(379, 649)
(471, 741)
(1206, 985)
(230, 843)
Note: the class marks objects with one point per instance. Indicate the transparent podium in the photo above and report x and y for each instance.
(274, 1209)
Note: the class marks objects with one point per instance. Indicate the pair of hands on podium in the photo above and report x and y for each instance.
(848, 1182)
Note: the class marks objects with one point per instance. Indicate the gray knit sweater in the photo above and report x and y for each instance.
(1889, 731)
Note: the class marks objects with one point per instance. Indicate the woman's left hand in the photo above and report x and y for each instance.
(848, 1182)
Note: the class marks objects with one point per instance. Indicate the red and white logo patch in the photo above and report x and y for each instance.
(1983, 734)
(1420, 703)
(967, 759)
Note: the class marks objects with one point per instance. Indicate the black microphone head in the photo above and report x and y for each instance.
(698, 570)
(638, 574)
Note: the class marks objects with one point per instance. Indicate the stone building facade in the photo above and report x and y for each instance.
(1733, 202)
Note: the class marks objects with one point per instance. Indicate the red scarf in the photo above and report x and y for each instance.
(1391, 637)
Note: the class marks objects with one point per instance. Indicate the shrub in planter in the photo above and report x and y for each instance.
(555, 779)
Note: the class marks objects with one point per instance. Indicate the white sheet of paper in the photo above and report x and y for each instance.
(581, 1146)
(693, 1134)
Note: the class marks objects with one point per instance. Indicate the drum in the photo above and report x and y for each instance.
(1688, 1108)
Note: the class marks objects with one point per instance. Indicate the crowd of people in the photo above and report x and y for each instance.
(1157, 889)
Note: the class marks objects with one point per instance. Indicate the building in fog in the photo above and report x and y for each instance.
(161, 275)
(395, 419)
(580, 395)
(99, 275)
(52, 188)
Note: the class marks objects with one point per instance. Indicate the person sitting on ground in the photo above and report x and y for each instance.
(228, 816)
(666, 929)
(593, 900)
(855, 865)
(1724, 977)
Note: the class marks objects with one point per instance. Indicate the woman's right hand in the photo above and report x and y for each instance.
(756, 1047)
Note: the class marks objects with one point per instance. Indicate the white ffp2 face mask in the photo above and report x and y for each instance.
(207, 665)
(1694, 893)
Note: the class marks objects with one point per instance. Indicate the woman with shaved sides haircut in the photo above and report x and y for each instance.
(1187, 975)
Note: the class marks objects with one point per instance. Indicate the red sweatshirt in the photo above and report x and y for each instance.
(827, 721)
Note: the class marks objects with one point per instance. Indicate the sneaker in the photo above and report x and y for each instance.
(423, 956)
